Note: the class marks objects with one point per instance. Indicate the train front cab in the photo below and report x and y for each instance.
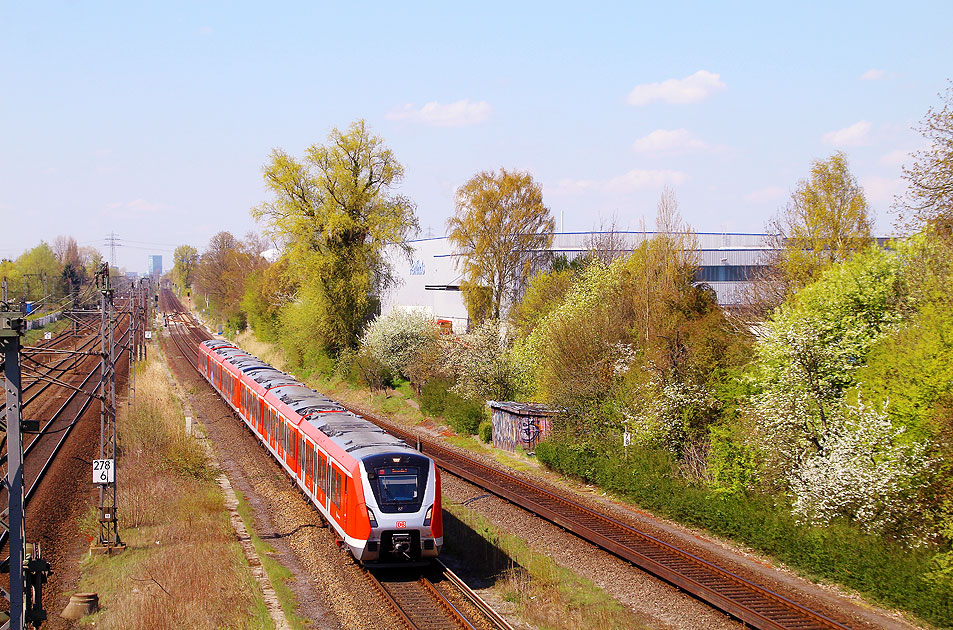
(401, 493)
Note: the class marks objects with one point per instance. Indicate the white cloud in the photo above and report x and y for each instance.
(692, 89)
(462, 113)
(634, 180)
(766, 195)
(882, 190)
(669, 140)
(873, 74)
(853, 135)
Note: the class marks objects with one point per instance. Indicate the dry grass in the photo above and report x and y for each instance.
(267, 352)
(183, 567)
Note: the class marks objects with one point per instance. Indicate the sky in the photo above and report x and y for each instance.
(152, 120)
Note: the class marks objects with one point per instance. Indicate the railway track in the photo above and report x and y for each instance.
(422, 601)
(39, 376)
(43, 446)
(752, 603)
(745, 600)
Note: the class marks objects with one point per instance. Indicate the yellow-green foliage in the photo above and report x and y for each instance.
(825, 222)
(545, 292)
(499, 225)
(336, 210)
(637, 329)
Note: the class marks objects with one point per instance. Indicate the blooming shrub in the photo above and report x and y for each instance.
(396, 339)
(864, 470)
(812, 348)
(667, 412)
(483, 366)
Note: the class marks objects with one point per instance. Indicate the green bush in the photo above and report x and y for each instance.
(887, 571)
(463, 415)
(486, 431)
(434, 395)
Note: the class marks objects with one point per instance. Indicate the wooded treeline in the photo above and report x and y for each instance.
(50, 271)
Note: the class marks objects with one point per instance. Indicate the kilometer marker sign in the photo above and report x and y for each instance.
(104, 471)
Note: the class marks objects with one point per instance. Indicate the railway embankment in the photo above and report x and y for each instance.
(184, 566)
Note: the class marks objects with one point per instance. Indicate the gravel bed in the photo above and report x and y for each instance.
(655, 602)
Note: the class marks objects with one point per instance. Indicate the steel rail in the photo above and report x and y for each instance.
(418, 604)
(495, 618)
(51, 368)
(66, 431)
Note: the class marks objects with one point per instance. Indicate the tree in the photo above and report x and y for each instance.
(826, 221)
(221, 272)
(39, 270)
(929, 197)
(184, 260)
(90, 258)
(267, 291)
(66, 250)
(337, 210)
(501, 226)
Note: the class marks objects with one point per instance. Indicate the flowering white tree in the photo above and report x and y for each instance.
(394, 340)
(867, 470)
(812, 348)
(661, 411)
(483, 365)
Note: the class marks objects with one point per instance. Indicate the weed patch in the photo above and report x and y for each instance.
(182, 567)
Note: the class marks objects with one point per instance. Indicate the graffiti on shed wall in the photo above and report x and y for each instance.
(519, 424)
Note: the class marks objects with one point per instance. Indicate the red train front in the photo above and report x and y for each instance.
(380, 496)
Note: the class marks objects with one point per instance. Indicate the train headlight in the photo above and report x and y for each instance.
(428, 516)
(373, 519)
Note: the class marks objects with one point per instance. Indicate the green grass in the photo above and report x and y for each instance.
(31, 337)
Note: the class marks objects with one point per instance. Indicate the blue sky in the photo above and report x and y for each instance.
(153, 120)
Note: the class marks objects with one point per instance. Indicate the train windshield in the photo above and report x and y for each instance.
(398, 485)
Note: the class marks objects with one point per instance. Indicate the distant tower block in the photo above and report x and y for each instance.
(155, 267)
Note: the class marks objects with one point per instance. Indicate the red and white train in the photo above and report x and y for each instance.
(381, 496)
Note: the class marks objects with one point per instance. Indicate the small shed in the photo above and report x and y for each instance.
(519, 424)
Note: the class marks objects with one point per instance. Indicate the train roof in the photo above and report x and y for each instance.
(359, 437)
(352, 433)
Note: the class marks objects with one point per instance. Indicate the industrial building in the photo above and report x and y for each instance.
(430, 279)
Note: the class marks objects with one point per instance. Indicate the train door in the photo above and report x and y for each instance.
(322, 472)
(344, 510)
(272, 430)
(300, 456)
